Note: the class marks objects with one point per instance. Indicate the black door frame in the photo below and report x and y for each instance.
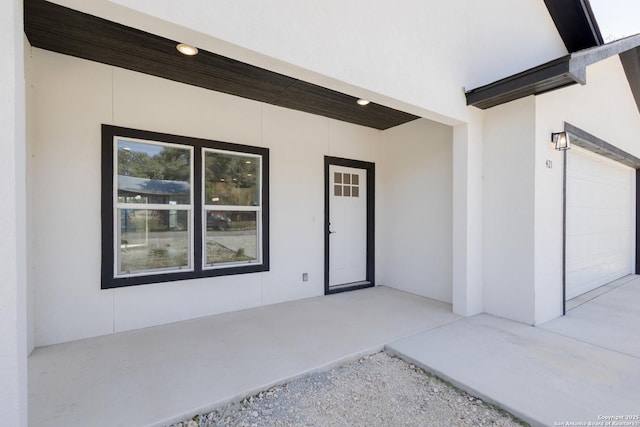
(584, 139)
(371, 169)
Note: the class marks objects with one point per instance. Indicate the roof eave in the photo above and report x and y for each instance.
(559, 73)
(576, 23)
(631, 64)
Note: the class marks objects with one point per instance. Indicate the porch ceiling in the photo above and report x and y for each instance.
(67, 31)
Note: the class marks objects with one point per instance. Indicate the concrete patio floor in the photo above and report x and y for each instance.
(575, 368)
(579, 368)
(155, 376)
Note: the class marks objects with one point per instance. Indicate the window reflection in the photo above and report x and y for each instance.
(153, 240)
(153, 174)
(157, 220)
(231, 179)
(232, 236)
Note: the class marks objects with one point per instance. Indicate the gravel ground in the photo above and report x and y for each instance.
(377, 390)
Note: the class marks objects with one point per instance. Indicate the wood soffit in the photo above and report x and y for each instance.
(59, 29)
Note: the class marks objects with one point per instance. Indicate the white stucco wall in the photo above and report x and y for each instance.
(548, 233)
(522, 207)
(29, 132)
(72, 97)
(415, 55)
(508, 210)
(13, 271)
(505, 37)
(415, 179)
(467, 216)
(603, 107)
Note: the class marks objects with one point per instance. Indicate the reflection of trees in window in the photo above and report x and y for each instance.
(231, 179)
(171, 164)
(153, 174)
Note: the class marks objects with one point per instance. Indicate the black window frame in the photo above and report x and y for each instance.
(108, 279)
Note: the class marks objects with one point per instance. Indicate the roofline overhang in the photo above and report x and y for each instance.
(584, 139)
(631, 65)
(576, 23)
(565, 71)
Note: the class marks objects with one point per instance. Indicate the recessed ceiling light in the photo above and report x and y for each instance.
(362, 102)
(187, 49)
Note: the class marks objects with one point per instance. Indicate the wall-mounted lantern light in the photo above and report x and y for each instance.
(562, 140)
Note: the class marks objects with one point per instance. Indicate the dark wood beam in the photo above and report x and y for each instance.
(550, 76)
(70, 32)
(556, 74)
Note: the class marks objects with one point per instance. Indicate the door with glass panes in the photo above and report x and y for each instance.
(349, 226)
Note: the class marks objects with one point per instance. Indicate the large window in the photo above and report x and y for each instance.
(176, 208)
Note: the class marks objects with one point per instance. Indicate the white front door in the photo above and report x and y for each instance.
(600, 233)
(347, 226)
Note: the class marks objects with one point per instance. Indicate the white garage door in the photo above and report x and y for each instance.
(600, 229)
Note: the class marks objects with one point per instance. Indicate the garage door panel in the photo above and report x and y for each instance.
(590, 277)
(597, 258)
(600, 225)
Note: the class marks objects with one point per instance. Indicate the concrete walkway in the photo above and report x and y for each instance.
(577, 368)
(583, 367)
(159, 375)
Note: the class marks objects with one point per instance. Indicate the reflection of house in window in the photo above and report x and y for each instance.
(152, 191)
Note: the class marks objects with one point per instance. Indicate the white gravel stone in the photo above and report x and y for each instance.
(377, 390)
